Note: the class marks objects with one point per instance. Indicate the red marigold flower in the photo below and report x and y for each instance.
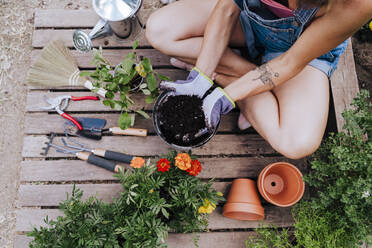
(163, 164)
(195, 168)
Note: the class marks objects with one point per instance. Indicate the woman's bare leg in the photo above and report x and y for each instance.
(177, 30)
(293, 119)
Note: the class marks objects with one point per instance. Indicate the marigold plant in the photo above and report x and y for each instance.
(156, 197)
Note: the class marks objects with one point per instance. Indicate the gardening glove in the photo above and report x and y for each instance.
(215, 104)
(196, 84)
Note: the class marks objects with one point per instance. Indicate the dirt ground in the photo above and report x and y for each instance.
(16, 18)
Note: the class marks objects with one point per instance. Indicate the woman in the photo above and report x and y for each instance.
(286, 98)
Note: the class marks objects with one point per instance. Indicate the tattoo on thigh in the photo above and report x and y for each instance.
(266, 75)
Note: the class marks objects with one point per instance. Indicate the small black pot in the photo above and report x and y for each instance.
(156, 121)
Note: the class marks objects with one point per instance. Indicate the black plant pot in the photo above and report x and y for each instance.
(157, 121)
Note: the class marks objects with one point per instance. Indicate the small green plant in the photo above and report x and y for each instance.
(156, 198)
(133, 72)
(267, 237)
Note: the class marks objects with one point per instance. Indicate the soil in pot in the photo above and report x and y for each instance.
(181, 119)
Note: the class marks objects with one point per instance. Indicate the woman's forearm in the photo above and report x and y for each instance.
(263, 78)
(217, 35)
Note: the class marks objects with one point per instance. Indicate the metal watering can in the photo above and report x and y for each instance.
(117, 17)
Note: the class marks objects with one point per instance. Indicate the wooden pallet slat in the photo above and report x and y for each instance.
(344, 84)
(27, 218)
(115, 57)
(54, 123)
(77, 170)
(153, 145)
(218, 239)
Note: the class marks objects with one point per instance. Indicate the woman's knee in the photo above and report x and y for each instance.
(296, 146)
(156, 29)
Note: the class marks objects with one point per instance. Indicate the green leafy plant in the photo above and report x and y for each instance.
(156, 198)
(340, 213)
(341, 174)
(269, 236)
(134, 72)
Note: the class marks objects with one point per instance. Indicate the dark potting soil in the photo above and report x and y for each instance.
(181, 118)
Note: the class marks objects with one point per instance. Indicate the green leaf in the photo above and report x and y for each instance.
(146, 92)
(109, 95)
(127, 64)
(151, 81)
(124, 121)
(146, 65)
(143, 113)
(135, 44)
(149, 99)
(163, 77)
(86, 73)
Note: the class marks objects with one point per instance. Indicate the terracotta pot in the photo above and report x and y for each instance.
(243, 202)
(281, 184)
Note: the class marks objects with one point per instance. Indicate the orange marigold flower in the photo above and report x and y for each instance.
(163, 165)
(195, 168)
(137, 162)
(183, 161)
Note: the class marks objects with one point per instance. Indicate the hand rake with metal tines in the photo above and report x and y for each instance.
(86, 154)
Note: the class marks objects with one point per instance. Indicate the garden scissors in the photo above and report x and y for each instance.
(60, 103)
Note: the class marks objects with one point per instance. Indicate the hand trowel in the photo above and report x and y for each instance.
(93, 128)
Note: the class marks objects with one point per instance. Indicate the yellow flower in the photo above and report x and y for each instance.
(219, 194)
(370, 25)
(183, 161)
(151, 191)
(207, 208)
(141, 70)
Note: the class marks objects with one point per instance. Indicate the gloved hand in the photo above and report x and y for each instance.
(215, 104)
(196, 84)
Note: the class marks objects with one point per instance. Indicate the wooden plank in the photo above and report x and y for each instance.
(344, 84)
(153, 145)
(171, 73)
(77, 19)
(54, 123)
(65, 18)
(218, 239)
(51, 195)
(41, 37)
(27, 218)
(35, 102)
(114, 57)
(76, 170)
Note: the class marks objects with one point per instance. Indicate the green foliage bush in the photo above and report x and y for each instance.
(151, 203)
(340, 213)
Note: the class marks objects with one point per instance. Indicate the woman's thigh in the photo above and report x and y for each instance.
(186, 19)
(303, 104)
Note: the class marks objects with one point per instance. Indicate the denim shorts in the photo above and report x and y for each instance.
(270, 36)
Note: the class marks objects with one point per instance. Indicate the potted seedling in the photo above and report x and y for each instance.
(180, 121)
(134, 73)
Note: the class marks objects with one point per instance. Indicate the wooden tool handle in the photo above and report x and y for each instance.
(128, 131)
(117, 156)
(98, 161)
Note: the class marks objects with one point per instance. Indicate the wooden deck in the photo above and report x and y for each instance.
(231, 154)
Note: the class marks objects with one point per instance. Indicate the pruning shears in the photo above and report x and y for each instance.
(60, 103)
